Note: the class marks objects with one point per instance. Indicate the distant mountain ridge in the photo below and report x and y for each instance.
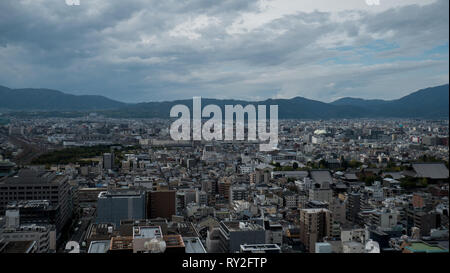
(429, 103)
(426, 103)
(30, 99)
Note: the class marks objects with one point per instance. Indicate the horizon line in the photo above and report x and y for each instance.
(208, 98)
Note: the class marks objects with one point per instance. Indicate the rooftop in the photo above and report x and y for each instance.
(241, 226)
(29, 176)
(17, 247)
(99, 246)
(417, 247)
(121, 243)
(193, 245)
(147, 232)
(174, 241)
(431, 170)
(257, 248)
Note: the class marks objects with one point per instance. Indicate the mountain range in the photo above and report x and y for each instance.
(429, 103)
(32, 99)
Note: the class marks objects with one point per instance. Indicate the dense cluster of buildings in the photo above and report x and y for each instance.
(343, 186)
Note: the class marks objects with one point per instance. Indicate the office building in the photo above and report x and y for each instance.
(161, 204)
(116, 205)
(233, 234)
(29, 185)
(315, 225)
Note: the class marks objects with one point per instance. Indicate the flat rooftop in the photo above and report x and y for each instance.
(417, 247)
(260, 247)
(147, 232)
(193, 245)
(99, 246)
(241, 226)
(29, 177)
(121, 243)
(16, 247)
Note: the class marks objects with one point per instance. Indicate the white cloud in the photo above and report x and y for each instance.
(192, 27)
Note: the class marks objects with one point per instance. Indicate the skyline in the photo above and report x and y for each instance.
(147, 51)
(245, 100)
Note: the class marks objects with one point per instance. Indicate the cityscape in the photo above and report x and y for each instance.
(357, 160)
(121, 185)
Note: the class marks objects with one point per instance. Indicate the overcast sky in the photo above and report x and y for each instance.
(138, 50)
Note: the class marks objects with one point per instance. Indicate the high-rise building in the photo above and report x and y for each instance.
(30, 185)
(315, 225)
(108, 161)
(39, 212)
(233, 234)
(353, 207)
(116, 205)
(338, 210)
(238, 192)
(161, 204)
(224, 189)
(201, 198)
(43, 235)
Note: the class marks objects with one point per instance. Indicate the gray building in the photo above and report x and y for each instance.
(116, 205)
(233, 234)
(353, 207)
(108, 161)
(238, 192)
(30, 185)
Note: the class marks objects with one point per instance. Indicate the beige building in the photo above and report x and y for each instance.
(315, 225)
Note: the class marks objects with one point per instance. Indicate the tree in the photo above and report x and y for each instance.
(295, 165)
(354, 164)
(369, 180)
(423, 182)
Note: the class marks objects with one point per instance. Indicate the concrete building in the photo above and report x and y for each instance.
(353, 207)
(315, 225)
(44, 236)
(274, 233)
(321, 192)
(425, 221)
(385, 218)
(31, 185)
(108, 161)
(116, 205)
(338, 210)
(201, 198)
(233, 234)
(238, 192)
(161, 204)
